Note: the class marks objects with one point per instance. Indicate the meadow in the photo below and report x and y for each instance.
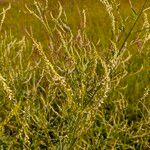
(74, 75)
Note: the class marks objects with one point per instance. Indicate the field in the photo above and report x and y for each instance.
(74, 75)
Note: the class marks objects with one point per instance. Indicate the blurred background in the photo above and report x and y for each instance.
(98, 23)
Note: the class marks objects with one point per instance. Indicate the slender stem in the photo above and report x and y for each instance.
(128, 35)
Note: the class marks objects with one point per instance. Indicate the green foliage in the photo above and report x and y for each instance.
(75, 77)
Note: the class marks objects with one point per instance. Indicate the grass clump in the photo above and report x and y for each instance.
(69, 92)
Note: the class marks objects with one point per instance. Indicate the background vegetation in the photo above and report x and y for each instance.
(75, 74)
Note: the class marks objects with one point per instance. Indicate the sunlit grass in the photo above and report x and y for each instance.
(75, 77)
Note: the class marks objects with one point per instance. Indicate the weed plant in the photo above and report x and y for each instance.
(71, 93)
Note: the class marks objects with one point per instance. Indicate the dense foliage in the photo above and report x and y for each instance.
(75, 76)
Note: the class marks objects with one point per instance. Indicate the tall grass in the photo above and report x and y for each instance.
(70, 92)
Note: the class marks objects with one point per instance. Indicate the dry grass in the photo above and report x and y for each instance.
(70, 92)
